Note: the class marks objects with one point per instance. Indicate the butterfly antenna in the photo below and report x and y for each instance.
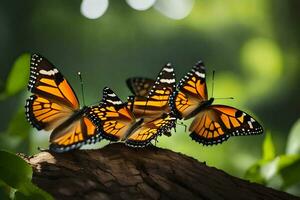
(213, 86)
(213, 83)
(82, 89)
(218, 98)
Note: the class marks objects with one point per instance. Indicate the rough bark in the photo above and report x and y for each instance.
(120, 172)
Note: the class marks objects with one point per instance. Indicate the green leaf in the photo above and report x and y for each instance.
(268, 148)
(14, 171)
(289, 167)
(32, 192)
(18, 76)
(293, 142)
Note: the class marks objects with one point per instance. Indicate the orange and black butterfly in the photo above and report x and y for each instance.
(120, 124)
(155, 103)
(156, 100)
(55, 107)
(213, 124)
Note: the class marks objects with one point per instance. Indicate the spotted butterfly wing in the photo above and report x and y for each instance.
(54, 106)
(156, 102)
(115, 118)
(150, 130)
(216, 123)
(213, 124)
(191, 93)
(140, 86)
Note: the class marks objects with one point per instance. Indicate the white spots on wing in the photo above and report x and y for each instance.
(112, 94)
(114, 102)
(49, 73)
(250, 124)
(167, 81)
(201, 75)
(168, 69)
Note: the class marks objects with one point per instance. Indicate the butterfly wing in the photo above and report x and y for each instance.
(148, 131)
(156, 101)
(115, 118)
(47, 82)
(79, 132)
(45, 114)
(54, 100)
(54, 106)
(217, 123)
(140, 86)
(192, 92)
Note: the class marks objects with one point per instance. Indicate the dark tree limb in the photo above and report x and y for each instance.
(120, 172)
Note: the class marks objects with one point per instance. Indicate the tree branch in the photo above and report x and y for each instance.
(120, 172)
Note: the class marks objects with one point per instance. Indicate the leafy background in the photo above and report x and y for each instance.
(253, 45)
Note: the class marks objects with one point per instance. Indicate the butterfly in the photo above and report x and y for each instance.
(54, 107)
(120, 124)
(156, 100)
(155, 103)
(212, 124)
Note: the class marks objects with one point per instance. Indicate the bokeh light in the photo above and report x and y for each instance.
(262, 62)
(140, 4)
(174, 9)
(93, 9)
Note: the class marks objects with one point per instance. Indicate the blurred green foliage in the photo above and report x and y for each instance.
(278, 171)
(15, 176)
(18, 76)
(253, 45)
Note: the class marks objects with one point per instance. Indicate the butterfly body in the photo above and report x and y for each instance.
(202, 106)
(133, 128)
(77, 115)
(54, 107)
(212, 124)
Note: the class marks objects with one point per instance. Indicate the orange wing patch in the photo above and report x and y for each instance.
(185, 104)
(44, 114)
(217, 123)
(47, 82)
(207, 129)
(143, 135)
(192, 92)
(114, 122)
(80, 132)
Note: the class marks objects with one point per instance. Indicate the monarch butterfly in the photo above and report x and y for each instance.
(151, 97)
(155, 102)
(55, 106)
(119, 123)
(212, 124)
